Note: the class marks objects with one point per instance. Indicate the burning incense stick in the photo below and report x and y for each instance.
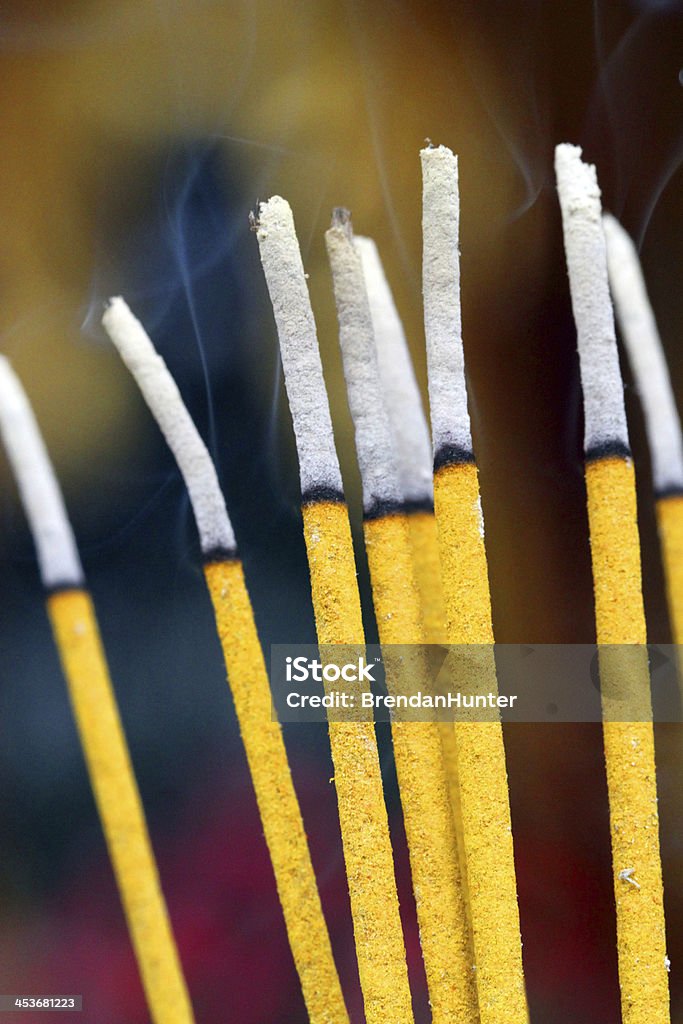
(482, 774)
(410, 434)
(663, 426)
(413, 450)
(620, 619)
(417, 748)
(362, 812)
(262, 737)
(77, 636)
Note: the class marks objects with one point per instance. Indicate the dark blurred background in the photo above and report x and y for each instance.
(136, 137)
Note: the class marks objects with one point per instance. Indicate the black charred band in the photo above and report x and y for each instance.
(412, 506)
(669, 491)
(452, 455)
(380, 508)
(214, 555)
(313, 495)
(65, 588)
(608, 450)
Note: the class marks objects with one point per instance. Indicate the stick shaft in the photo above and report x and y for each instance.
(629, 749)
(670, 524)
(424, 543)
(430, 829)
(482, 774)
(275, 794)
(358, 780)
(118, 801)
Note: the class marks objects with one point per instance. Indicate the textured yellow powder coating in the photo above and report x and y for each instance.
(482, 774)
(358, 780)
(277, 801)
(670, 522)
(424, 541)
(432, 843)
(464, 568)
(629, 749)
(118, 801)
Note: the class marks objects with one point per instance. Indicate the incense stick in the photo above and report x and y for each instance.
(429, 825)
(619, 613)
(358, 780)
(262, 737)
(410, 436)
(662, 422)
(482, 774)
(413, 450)
(77, 637)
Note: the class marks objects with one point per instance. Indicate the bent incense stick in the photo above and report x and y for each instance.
(482, 774)
(413, 451)
(432, 843)
(92, 697)
(262, 737)
(362, 813)
(662, 423)
(619, 613)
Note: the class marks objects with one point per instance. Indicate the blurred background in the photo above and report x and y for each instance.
(136, 138)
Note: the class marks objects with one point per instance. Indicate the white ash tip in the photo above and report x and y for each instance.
(273, 211)
(374, 448)
(441, 294)
(39, 490)
(161, 394)
(401, 393)
(646, 355)
(115, 308)
(131, 339)
(577, 180)
(297, 335)
(605, 425)
(273, 203)
(432, 152)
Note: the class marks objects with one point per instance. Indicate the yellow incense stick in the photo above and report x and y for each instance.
(278, 805)
(619, 613)
(670, 523)
(118, 802)
(432, 842)
(104, 746)
(482, 775)
(247, 676)
(629, 749)
(481, 769)
(424, 544)
(413, 451)
(362, 813)
(425, 797)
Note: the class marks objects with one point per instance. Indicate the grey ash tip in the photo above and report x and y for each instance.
(341, 218)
